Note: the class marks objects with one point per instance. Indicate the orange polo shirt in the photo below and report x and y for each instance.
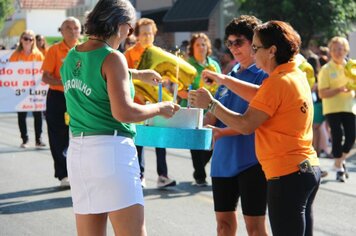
(285, 139)
(54, 60)
(133, 55)
(36, 55)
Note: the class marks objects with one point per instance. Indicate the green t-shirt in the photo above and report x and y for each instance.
(86, 94)
(197, 83)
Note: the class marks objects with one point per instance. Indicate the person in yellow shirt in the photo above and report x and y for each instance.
(25, 52)
(58, 132)
(337, 103)
(281, 115)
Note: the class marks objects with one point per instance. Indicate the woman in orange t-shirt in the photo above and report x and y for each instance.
(41, 44)
(281, 113)
(25, 52)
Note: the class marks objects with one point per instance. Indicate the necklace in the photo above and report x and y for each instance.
(101, 40)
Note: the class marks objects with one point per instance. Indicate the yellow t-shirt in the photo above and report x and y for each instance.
(332, 75)
(285, 139)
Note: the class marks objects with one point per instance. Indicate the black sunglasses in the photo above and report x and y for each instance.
(27, 39)
(236, 43)
(255, 48)
(131, 30)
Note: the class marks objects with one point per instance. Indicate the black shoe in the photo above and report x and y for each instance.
(340, 176)
(40, 144)
(201, 183)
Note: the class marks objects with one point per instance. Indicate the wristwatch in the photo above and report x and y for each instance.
(212, 105)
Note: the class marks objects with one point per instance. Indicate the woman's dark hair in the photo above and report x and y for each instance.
(282, 36)
(103, 20)
(242, 26)
(192, 41)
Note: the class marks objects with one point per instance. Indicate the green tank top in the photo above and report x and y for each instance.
(86, 94)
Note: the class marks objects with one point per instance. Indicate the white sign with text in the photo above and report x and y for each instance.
(21, 88)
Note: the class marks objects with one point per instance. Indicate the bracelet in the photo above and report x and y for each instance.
(212, 106)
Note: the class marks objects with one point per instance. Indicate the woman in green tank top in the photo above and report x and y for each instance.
(102, 163)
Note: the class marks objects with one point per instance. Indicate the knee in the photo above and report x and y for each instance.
(253, 230)
(226, 227)
(256, 227)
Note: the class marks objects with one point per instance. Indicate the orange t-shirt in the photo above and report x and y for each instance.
(133, 58)
(133, 55)
(54, 60)
(285, 139)
(44, 51)
(36, 55)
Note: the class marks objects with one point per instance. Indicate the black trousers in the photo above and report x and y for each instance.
(58, 131)
(21, 118)
(342, 124)
(290, 201)
(200, 158)
(162, 168)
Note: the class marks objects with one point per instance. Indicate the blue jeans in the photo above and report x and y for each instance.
(290, 203)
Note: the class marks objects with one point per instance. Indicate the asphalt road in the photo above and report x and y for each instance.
(32, 204)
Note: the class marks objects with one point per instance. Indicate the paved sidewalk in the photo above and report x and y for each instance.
(32, 204)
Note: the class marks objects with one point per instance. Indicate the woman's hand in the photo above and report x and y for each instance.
(209, 77)
(168, 109)
(149, 77)
(200, 98)
(343, 89)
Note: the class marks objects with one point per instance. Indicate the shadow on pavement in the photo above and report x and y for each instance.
(31, 192)
(182, 189)
(40, 205)
(18, 150)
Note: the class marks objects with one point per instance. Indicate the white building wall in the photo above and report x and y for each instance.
(45, 22)
(179, 37)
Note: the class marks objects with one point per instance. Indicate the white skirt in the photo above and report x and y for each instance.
(104, 174)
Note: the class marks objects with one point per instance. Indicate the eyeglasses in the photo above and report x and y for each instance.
(236, 43)
(27, 39)
(131, 30)
(255, 48)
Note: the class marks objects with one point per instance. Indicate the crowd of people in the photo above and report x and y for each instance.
(257, 153)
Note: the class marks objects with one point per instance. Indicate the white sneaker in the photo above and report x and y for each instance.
(164, 181)
(64, 182)
(143, 182)
(24, 145)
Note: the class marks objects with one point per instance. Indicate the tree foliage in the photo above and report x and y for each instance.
(6, 9)
(320, 19)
